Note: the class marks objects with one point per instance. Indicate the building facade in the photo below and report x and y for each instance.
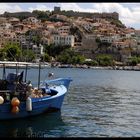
(63, 40)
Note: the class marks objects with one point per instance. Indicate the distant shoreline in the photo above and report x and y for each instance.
(50, 65)
(132, 68)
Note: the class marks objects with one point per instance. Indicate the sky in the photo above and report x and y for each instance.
(129, 13)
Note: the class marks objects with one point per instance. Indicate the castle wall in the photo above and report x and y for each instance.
(113, 15)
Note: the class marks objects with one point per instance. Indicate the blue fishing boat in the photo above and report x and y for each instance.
(19, 99)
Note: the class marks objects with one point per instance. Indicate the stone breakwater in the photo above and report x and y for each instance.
(135, 68)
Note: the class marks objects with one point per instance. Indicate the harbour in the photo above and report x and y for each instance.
(100, 103)
(69, 70)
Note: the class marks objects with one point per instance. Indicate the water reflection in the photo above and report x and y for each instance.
(37, 126)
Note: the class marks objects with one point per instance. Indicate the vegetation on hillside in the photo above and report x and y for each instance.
(134, 60)
(10, 52)
(118, 23)
(104, 60)
(42, 15)
(53, 50)
(13, 52)
(68, 56)
(103, 55)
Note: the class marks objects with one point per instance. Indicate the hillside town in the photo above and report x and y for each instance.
(90, 35)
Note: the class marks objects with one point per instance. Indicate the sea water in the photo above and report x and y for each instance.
(99, 103)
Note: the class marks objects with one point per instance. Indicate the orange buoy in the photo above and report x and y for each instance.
(15, 101)
(15, 109)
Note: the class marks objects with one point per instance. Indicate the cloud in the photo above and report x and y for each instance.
(75, 7)
(41, 7)
(9, 8)
(126, 15)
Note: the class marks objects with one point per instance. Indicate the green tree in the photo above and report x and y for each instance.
(29, 55)
(42, 15)
(2, 54)
(68, 56)
(45, 57)
(91, 63)
(12, 51)
(36, 39)
(133, 61)
(79, 59)
(53, 50)
(104, 60)
(64, 58)
(116, 22)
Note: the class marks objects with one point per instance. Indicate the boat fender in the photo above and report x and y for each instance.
(15, 101)
(1, 100)
(15, 109)
(28, 104)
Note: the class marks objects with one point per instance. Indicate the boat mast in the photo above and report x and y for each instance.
(4, 72)
(16, 78)
(26, 72)
(16, 69)
(39, 75)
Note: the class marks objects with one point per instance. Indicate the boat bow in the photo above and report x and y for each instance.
(59, 81)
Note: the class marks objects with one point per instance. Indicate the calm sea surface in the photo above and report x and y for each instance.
(99, 103)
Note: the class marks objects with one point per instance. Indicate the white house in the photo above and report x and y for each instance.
(63, 40)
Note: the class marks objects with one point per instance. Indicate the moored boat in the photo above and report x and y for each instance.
(19, 99)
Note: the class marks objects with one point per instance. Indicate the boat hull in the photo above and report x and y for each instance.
(39, 105)
(46, 106)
